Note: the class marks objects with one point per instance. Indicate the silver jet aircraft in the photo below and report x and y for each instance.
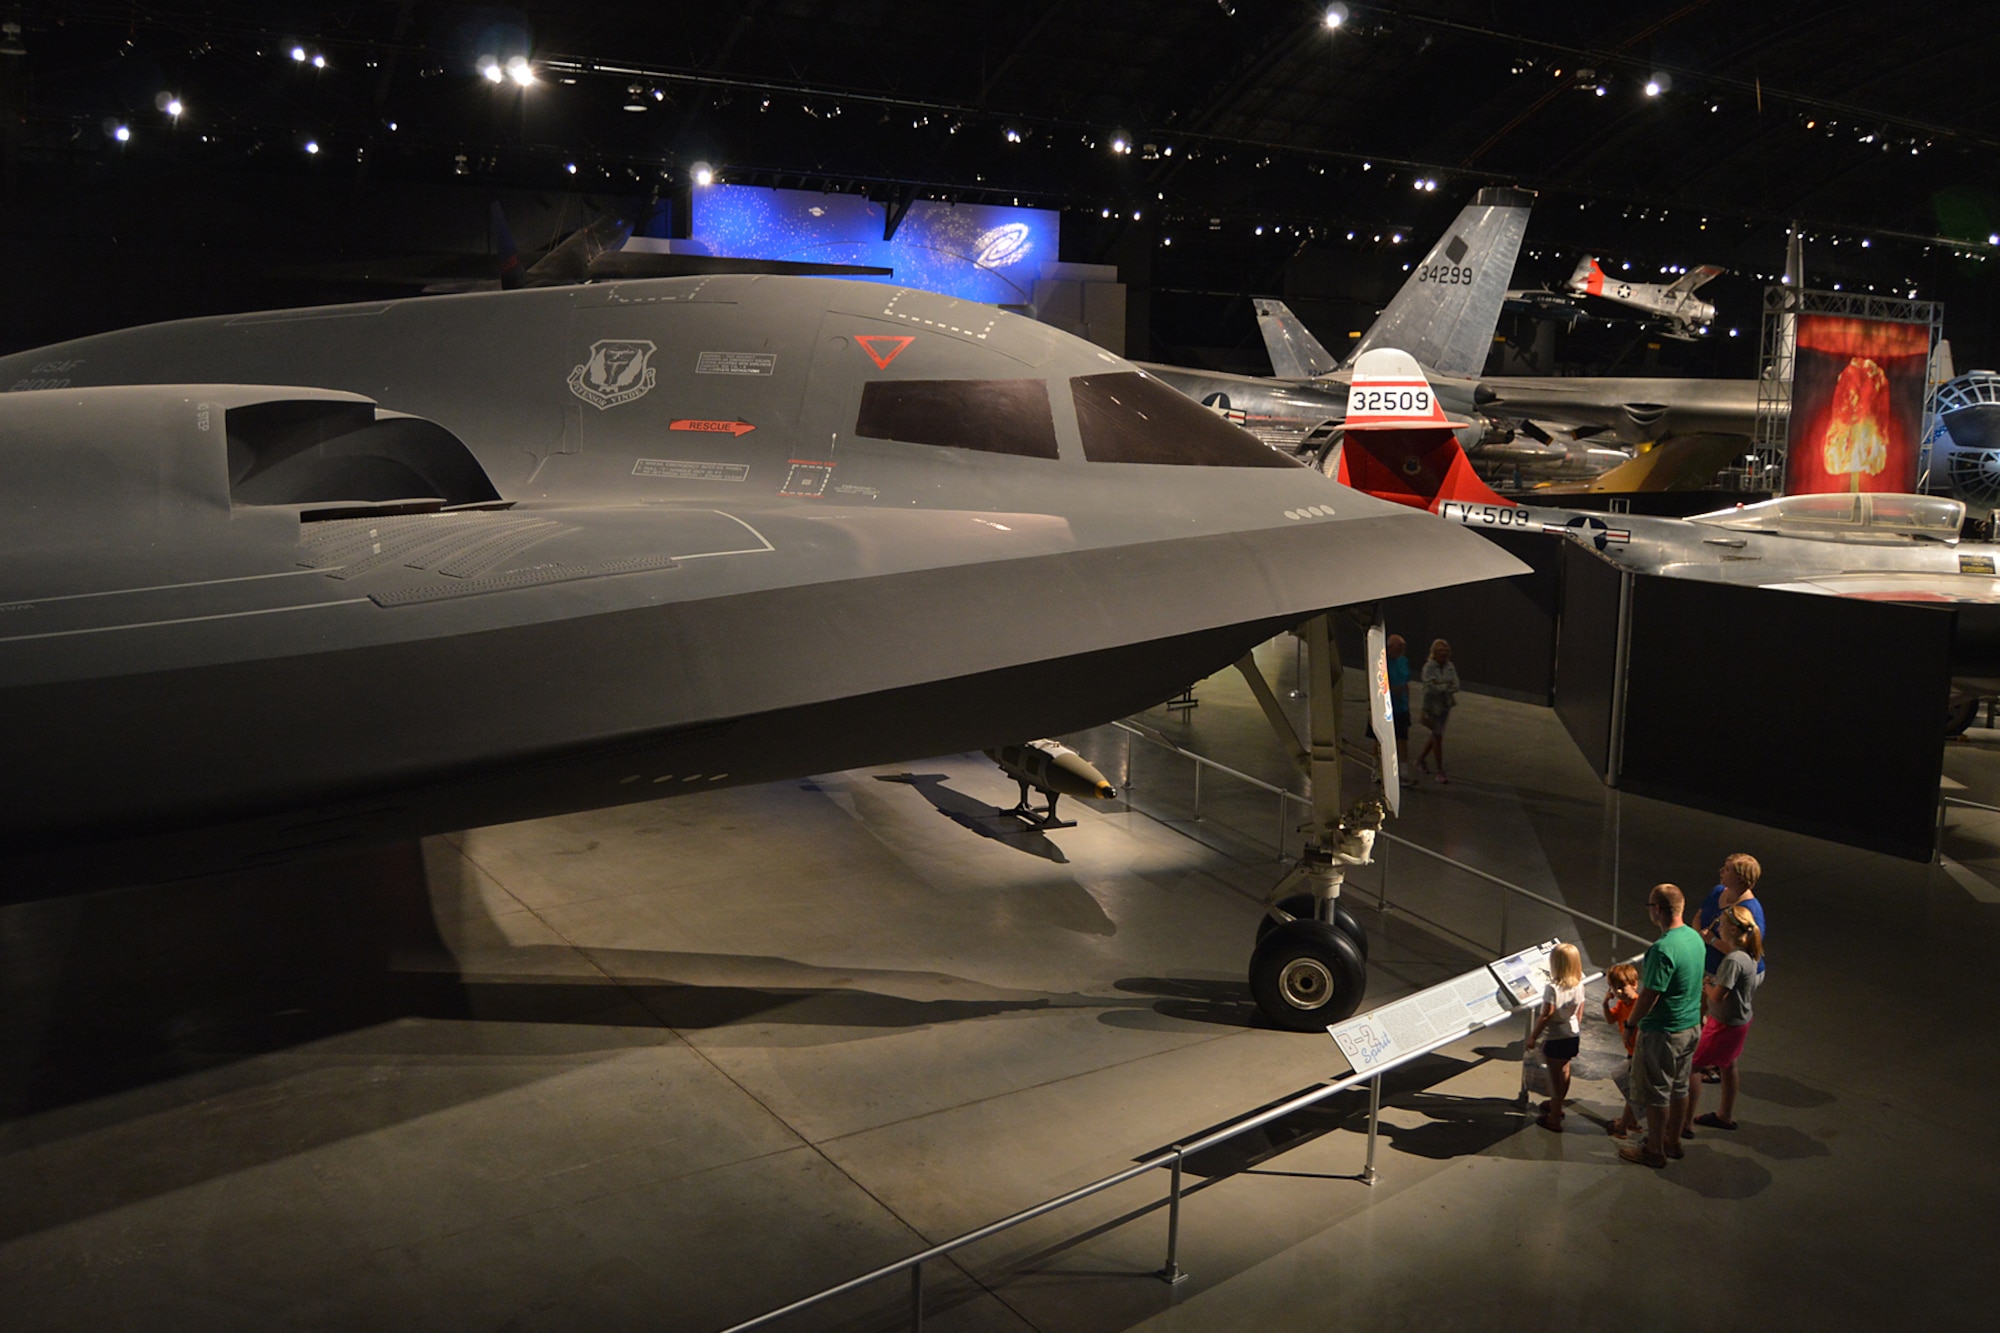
(290, 582)
(1444, 316)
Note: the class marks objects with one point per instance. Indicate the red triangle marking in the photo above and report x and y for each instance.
(868, 341)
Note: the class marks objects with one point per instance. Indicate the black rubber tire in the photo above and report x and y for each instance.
(1301, 904)
(1306, 974)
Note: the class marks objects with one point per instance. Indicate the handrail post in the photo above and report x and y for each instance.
(1528, 1018)
(1281, 824)
(1171, 1274)
(917, 1298)
(1197, 791)
(1374, 1117)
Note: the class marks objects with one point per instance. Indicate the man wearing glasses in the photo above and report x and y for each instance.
(1668, 1014)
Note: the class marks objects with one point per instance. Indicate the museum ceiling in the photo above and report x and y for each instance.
(1689, 132)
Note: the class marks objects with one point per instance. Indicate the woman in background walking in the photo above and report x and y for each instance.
(1440, 697)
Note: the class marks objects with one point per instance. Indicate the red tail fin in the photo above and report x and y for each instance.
(1399, 445)
(1419, 468)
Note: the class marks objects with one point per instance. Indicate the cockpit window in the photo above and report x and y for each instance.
(1130, 417)
(993, 416)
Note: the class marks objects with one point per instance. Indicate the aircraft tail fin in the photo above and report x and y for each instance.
(570, 261)
(1447, 311)
(1588, 280)
(1295, 353)
(1399, 445)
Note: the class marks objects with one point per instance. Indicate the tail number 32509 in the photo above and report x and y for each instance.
(1360, 400)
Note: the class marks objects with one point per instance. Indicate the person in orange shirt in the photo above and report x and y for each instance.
(1621, 992)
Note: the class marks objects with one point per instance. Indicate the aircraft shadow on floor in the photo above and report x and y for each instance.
(988, 821)
(1186, 1000)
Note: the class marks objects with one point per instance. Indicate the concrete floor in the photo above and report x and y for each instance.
(671, 1065)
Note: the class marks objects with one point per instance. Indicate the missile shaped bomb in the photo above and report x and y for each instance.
(1051, 767)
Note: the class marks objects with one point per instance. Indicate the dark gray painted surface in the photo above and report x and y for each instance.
(224, 609)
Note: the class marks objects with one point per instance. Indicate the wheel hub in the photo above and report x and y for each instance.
(1306, 983)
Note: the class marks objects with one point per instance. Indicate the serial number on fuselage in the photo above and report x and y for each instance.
(1360, 401)
(1450, 275)
(1484, 516)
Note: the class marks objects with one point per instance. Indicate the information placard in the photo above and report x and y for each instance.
(1427, 1019)
(1525, 975)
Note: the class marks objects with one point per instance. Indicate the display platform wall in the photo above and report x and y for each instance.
(1502, 632)
(1587, 653)
(1823, 715)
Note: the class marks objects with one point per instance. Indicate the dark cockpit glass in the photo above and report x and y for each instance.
(993, 416)
(1130, 417)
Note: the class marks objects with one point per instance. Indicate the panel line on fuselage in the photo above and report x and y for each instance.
(182, 620)
(172, 587)
(748, 550)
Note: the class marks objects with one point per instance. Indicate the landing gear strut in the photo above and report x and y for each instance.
(1310, 965)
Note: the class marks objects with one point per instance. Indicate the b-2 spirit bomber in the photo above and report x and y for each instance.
(287, 583)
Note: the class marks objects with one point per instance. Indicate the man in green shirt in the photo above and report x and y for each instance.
(1668, 1015)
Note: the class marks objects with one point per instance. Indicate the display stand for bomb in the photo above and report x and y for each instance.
(1038, 819)
(1183, 703)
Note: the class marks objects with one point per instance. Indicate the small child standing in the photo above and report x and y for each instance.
(1621, 992)
(1562, 1019)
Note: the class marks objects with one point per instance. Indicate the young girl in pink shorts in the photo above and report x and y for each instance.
(1727, 995)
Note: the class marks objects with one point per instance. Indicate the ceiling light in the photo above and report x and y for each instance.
(1335, 16)
(1653, 88)
(520, 72)
(299, 54)
(174, 107)
(490, 69)
(570, 167)
(122, 133)
(312, 147)
(704, 174)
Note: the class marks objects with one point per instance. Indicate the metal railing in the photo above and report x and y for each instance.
(1172, 1159)
(1287, 798)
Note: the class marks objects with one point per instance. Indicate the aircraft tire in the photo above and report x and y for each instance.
(1301, 904)
(1306, 974)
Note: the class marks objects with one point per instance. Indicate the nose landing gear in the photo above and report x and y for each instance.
(1310, 964)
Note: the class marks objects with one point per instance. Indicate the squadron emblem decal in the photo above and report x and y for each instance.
(618, 371)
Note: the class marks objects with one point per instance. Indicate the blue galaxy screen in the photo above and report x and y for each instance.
(977, 252)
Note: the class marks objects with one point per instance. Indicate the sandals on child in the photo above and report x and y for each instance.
(1711, 1120)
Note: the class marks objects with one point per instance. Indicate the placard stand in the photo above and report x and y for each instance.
(1416, 1025)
